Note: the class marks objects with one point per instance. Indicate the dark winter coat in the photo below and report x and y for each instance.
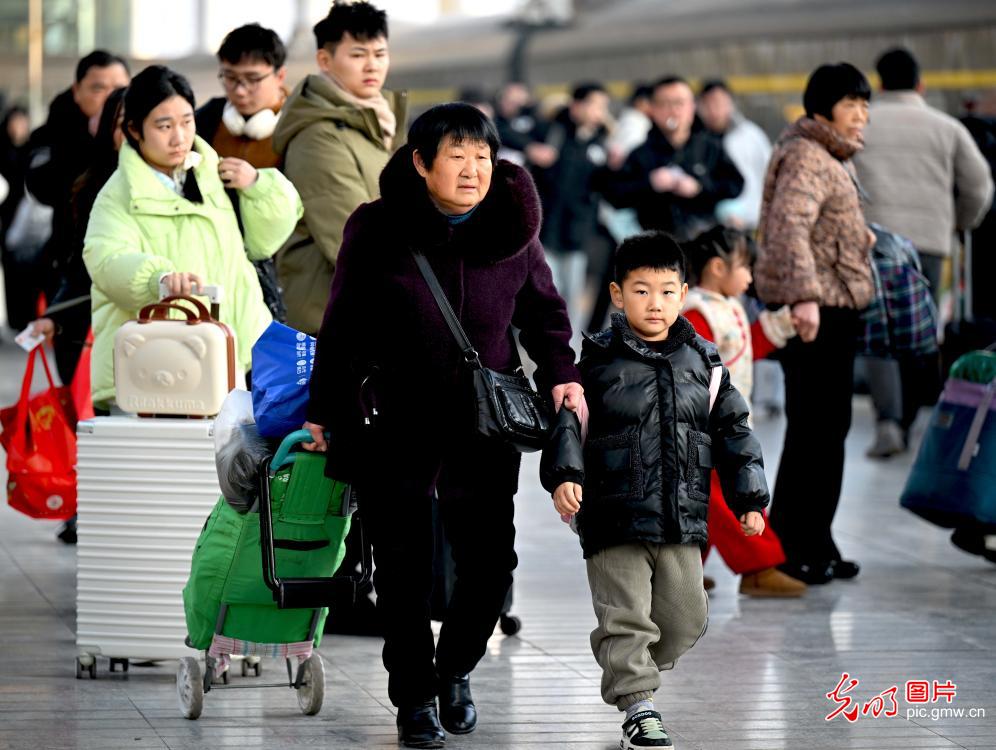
(569, 201)
(652, 441)
(702, 157)
(60, 151)
(382, 320)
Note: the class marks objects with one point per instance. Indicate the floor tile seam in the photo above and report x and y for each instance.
(148, 723)
(362, 688)
(932, 731)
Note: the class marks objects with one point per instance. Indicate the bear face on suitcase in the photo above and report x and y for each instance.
(172, 367)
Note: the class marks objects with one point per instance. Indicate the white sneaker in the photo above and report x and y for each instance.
(644, 729)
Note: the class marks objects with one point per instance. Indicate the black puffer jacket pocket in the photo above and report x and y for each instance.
(615, 467)
(700, 464)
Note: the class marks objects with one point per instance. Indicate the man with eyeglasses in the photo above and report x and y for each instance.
(676, 178)
(338, 130)
(241, 123)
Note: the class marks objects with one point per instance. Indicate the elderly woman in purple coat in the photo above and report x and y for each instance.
(385, 341)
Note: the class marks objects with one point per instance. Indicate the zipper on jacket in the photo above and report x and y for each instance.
(673, 499)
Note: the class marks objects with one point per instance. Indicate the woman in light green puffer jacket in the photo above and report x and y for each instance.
(164, 213)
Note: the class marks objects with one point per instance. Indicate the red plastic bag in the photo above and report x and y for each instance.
(39, 435)
(80, 387)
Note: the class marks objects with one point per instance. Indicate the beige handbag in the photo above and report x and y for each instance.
(174, 366)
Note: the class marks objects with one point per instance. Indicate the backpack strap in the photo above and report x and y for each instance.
(714, 382)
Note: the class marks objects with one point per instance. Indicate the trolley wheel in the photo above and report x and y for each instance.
(189, 688)
(312, 691)
(509, 624)
(254, 663)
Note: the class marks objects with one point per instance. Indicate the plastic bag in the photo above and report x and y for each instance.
(238, 451)
(282, 361)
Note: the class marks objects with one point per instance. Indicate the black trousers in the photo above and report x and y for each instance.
(819, 380)
(475, 481)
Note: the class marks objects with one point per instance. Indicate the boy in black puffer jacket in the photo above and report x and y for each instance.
(662, 414)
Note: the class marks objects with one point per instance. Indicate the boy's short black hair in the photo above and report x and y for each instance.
(719, 242)
(832, 83)
(360, 20)
(657, 250)
(99, 58)
(463, 122)
(255, 43)
(898, 70)
(583, 90)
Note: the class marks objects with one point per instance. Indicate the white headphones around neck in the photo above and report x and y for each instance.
(261, 125)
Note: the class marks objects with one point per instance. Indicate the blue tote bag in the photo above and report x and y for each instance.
(282, 361)
(953, 479)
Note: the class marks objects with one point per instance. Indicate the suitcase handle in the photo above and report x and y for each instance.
(159, 311)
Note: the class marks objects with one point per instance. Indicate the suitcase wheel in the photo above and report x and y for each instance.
(311, 691)
(510, 624)
(88, 664)
(189, 688)
(122, 662)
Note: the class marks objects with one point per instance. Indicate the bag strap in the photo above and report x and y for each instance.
(975, 430)
(21, 415)
(470, 355)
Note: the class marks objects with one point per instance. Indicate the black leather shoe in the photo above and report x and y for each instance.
(418, 726)
(456, 705)
(813, 574)
(844, 569)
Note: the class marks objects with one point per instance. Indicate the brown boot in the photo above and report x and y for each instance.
(771, 582)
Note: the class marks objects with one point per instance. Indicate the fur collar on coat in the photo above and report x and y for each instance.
(503, 224)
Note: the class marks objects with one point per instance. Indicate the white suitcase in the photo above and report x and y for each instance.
(145, 488)
(174, 366)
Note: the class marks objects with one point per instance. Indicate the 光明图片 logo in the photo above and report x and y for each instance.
(920, 695)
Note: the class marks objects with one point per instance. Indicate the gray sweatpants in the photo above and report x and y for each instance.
(651, 608)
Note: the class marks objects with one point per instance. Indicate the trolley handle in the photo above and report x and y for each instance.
(283, 455)
(302, 593)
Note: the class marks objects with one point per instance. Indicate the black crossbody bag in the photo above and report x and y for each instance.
(508, 409)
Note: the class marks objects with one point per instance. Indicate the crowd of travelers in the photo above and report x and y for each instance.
(312, 202)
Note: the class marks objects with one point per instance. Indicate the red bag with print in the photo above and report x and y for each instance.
(39, 435)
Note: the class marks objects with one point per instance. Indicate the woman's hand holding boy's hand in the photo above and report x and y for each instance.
(567, 394)
(571, 397)
(752, 523)
(318, 436)
(567, 498)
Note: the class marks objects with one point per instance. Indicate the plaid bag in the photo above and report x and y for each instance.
(902, 319)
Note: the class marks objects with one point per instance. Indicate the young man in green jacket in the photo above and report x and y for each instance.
(336, 133)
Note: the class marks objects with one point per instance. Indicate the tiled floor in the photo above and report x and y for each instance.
(758, 680)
